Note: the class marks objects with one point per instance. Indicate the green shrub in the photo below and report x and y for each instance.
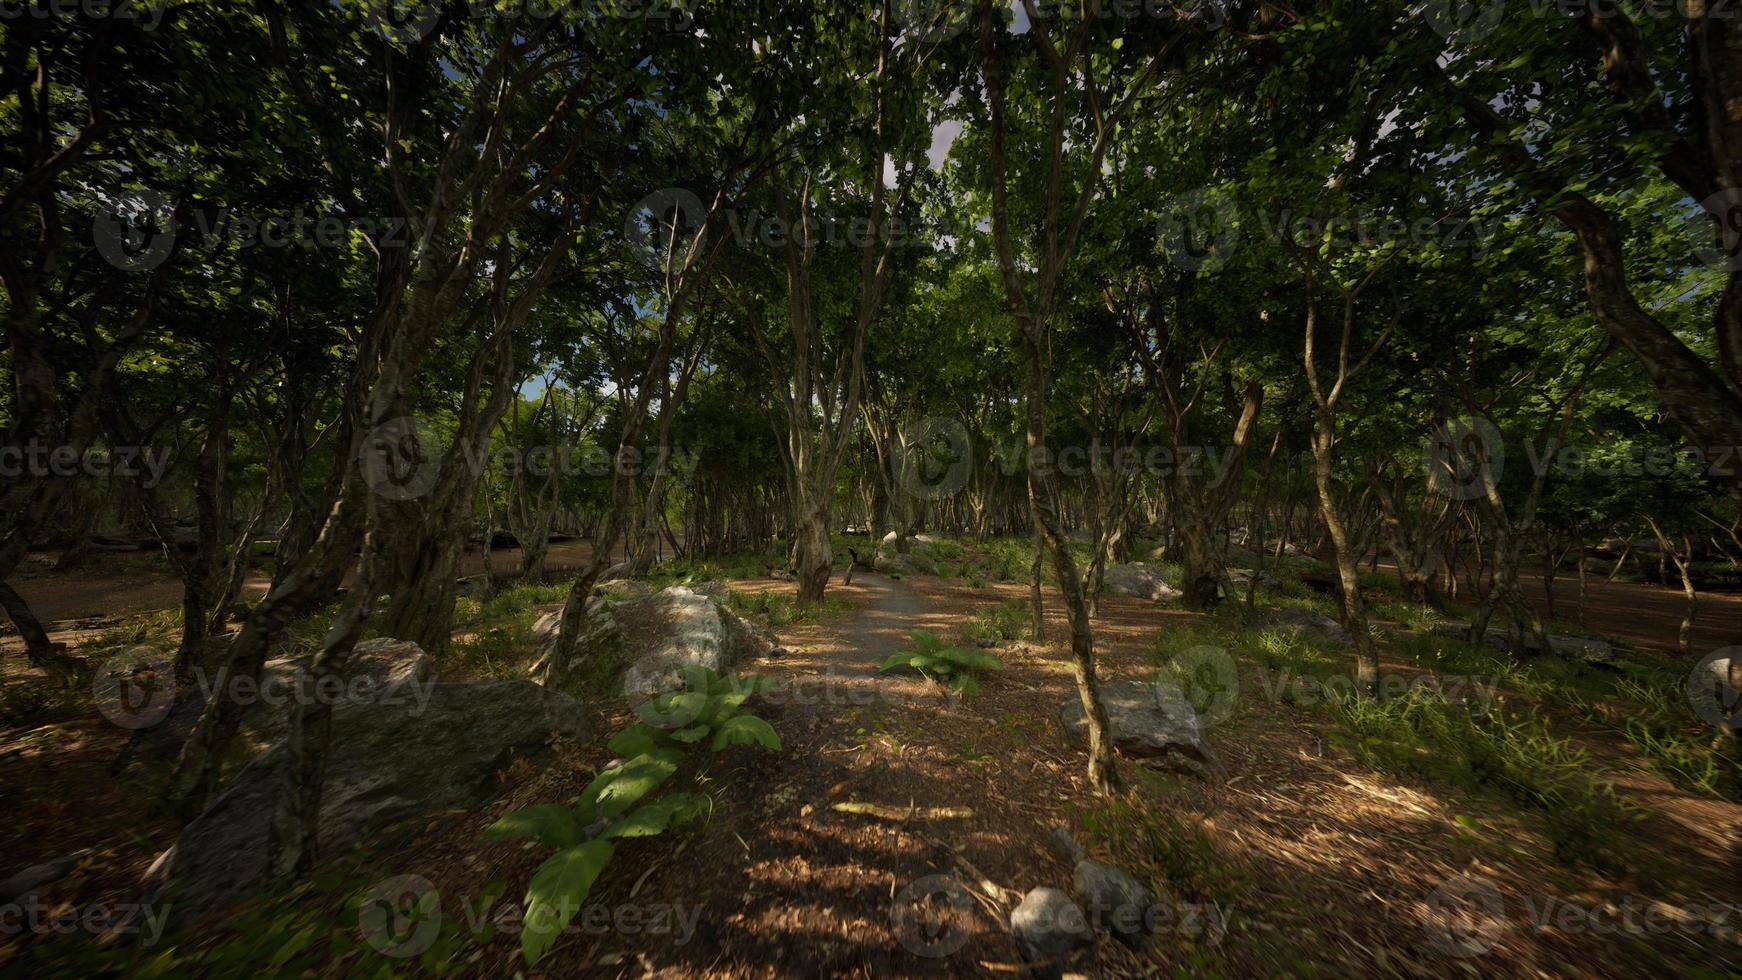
(709, 708)
(946, 550)
(1009, 620)
(782, 608)
(932, 657)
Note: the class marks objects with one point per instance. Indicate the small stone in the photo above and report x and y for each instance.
(36, 876)
(1050, 930)
(1065, 845)
(1115, 901)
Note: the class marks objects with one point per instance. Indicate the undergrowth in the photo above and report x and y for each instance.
(1423, 734)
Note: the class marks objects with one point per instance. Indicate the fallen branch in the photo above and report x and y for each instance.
(909, 813)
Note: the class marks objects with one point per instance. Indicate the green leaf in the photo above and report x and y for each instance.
(587, 809)
(630, 782)
(658, 816)
(745, 729)
(898, 660)
(635, 740)
(550, 824)
(673, 710)
(976, 659)
(558, 890)
(694, 733)
(699, 678)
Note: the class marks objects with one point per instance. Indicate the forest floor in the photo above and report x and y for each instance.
(1335, 846)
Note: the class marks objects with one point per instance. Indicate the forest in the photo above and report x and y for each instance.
(810, 488)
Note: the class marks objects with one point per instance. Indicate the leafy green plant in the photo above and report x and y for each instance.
(1006, 621)
(946, 550)
(616, 805)
(954, 665)
(781, 609)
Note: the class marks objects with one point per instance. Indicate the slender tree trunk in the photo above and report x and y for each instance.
(47, 656)
(1043, 494)
(1348, 572)
(1036, 603)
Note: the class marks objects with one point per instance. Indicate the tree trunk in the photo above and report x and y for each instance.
(1036, 603)
(299, 590)
(816, 555)
(1201, 561)
(47, 656)
(1348, 573)
(1043, 492)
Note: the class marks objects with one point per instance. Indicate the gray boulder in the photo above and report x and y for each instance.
(908, 565)
(1064, 844)
(1050, 930)
(652, 636)
(27, 882)
(1140, 581)
(601, 642)
(1299, 620)
(1715, 691)
(546, 627)
(388, 763)
(1115, 901)
(1241, 577)
(382, 669)
(1577, 647)
(1590, 649)
(676, 629)
(1147, 721)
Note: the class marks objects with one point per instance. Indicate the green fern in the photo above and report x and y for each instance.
(953, 665)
